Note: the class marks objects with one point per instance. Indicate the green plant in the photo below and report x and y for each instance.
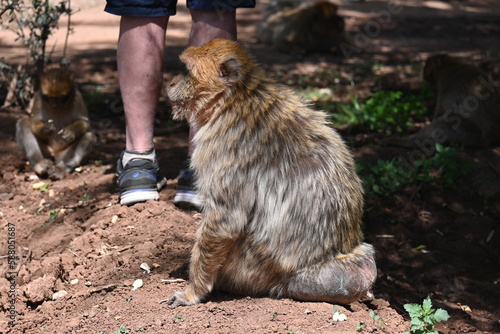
(443, 167)
(384, 178)
(420, 248)
(424, 317)
(321, 98)
(85, 199)
(178, 318)
(53, 215)
(360, 326)
(376, 319)
(122, 330)
(384, 111)
(274, 315)
(338, 315)
(33, 22)
(45, 187)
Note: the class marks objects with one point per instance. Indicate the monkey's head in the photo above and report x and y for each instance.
(56, 86)
(325, 22)
(434, 65)
(326, 9)
(214, 72)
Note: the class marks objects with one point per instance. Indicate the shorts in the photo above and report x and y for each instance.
(153, 8)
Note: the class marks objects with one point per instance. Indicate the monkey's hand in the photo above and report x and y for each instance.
(67, 135)
(43, 129)
(74, 131)
(179, 299)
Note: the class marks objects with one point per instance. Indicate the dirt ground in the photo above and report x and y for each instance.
(75, 237)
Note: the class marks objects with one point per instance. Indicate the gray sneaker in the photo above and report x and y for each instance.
(139, 181)
(186, 192)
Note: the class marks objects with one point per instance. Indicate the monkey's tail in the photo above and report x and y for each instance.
(343, 279)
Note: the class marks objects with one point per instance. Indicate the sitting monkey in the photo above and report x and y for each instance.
(56, 138)
(282, 203)
(467, 108)
(291, 27)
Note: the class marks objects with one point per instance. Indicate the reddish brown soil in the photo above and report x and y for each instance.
(102, 244)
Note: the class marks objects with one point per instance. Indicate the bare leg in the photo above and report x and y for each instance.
(140, 64)
(207, 25)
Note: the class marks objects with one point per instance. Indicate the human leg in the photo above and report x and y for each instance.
(140, 67)
(206, 25)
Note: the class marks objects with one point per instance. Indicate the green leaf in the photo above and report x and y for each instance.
(427, 304)
(45, 187)
(441, 315)
(416, 323)
(412, 309)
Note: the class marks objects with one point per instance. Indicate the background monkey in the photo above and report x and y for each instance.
(467, 108)
(56, 138)
(291, 26)
(282, 203)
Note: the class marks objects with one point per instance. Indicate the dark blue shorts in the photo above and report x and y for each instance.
(150, 8)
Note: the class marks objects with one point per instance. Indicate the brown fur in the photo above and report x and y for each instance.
(282, 202)
(467, 108)
(290, 27)
(56, 138)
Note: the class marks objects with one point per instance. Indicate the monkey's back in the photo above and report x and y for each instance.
(283, 180)
(469, 92)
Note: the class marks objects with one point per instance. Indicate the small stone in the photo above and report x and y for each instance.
(59, 294)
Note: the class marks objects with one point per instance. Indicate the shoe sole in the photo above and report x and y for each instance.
(141, 195)
(187, 198)
(138, 196)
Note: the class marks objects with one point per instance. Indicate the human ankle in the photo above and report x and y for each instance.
(131, 155)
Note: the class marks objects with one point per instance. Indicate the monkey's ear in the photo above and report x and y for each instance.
(228, 70)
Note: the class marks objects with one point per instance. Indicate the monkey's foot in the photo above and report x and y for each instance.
(56, 172)
(41, 168)
(179, 299)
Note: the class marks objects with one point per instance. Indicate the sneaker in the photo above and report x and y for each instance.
(186, 191)
(139, 181)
